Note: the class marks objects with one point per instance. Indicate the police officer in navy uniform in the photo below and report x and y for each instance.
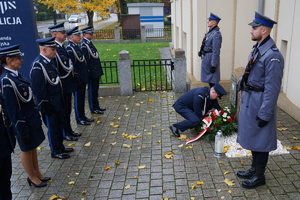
(194, 104)
(95, 69)
(23, 113)
(210, 52)
(65, 68)
(7, 145)
(81, 74)
(47, 89)
(260, 86)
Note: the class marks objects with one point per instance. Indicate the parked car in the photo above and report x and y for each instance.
(74, 19)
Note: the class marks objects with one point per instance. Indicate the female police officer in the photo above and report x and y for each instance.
(23, 113)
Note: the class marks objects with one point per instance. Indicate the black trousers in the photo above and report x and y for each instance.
(79, 102)
(55, 137)
(93, 88)
(5, 175)
(66, 114)
(260, 159)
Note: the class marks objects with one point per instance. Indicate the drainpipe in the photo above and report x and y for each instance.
(261, 4)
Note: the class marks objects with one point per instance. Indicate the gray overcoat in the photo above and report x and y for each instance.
(212, 58)
(267, 73)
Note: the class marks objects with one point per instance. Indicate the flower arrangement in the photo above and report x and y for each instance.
(223, 119)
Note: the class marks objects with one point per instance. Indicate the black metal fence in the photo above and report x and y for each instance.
(110, 70)
(152, 75)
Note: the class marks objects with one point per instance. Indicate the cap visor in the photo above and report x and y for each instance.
(254, 24)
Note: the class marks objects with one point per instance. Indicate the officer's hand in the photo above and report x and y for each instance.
(25, 138)
(212, 70)
(199, 54)
(261, 123)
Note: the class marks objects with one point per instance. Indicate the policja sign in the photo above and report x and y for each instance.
(18, 26)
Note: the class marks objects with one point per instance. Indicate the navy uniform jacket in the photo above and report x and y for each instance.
(92, 57)
(213, 44)
(81, 72)
(7, 141)
(65, 69)
(46, 85)
(22, 112)
(195, 99)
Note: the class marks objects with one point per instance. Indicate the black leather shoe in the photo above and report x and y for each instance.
(75, 134)
(102, 109)
(246, 174)
(82, 122)
(67, 150)
(42, 184)
(45, 179)
(98, 112)
(254, 182)
(174, 131)
(88, 120)
(60, 156)
(70, 138)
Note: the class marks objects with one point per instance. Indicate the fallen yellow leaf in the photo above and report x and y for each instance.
(158, 142)
(153, 125)
(192, 198)
(282, 129)
(137, 104)
(84, 192)
(181, 145)
(112, 123)
(53, 197)
(163, 96)
(193, 186)
(39, 148)
(189, 147)
(287, 148)
(227, 172)
(222, 197)
(295, 138)
(219, 190)
(127, 187)
(221, 163)
(148, 111)
(106, 168)
(71, 144)
(126, 108)
(229, 191)
(87, 144)
(113, 132)
(113, 143)
(169, 155)
(162, 129)
(103, 140)
(116, 126)
(141, 167)
(150, 100)
(71, 183)
(99, 121)
(126, 145)
(296, 147)
(182, 137)
(170, 112)
(117, 162)
(229, 182)
(149, 133)
(200, 183)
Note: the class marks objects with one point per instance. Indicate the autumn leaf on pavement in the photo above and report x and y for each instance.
(282, 129)
(158, 142)
(106, 168)
(87, 144)
(39, 148)
(182, 137)
(169, 155)
(221, 163)
(227, 172)
(150, 100)
(229, 182)
(117, 162)
(229, 191)
(71, 183)
(181, 145)
(113, 143)
(295, 138)
(84, 192)
(296, 147)
(200, 183)
(126, 145)
(71, 144)
(141, 167)
(287, 148)
(112, 123)
(54, 197)
(127, 187)
(193, 186)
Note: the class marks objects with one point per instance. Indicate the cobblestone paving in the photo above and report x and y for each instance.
(161, 177)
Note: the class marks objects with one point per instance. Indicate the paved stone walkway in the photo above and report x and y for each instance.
(161, 177)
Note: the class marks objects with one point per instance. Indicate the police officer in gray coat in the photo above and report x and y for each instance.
(210, 52)
(260, 86)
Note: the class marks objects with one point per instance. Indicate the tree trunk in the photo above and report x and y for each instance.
(90, 15)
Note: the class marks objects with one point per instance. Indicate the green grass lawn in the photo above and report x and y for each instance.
(137, 51)
(149, 77)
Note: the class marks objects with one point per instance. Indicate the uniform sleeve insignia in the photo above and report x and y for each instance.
(25, 94)
(275, 59)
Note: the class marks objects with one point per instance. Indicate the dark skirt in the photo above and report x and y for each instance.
(36, 137)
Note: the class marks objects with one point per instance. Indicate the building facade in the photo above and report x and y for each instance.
(189, 24)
